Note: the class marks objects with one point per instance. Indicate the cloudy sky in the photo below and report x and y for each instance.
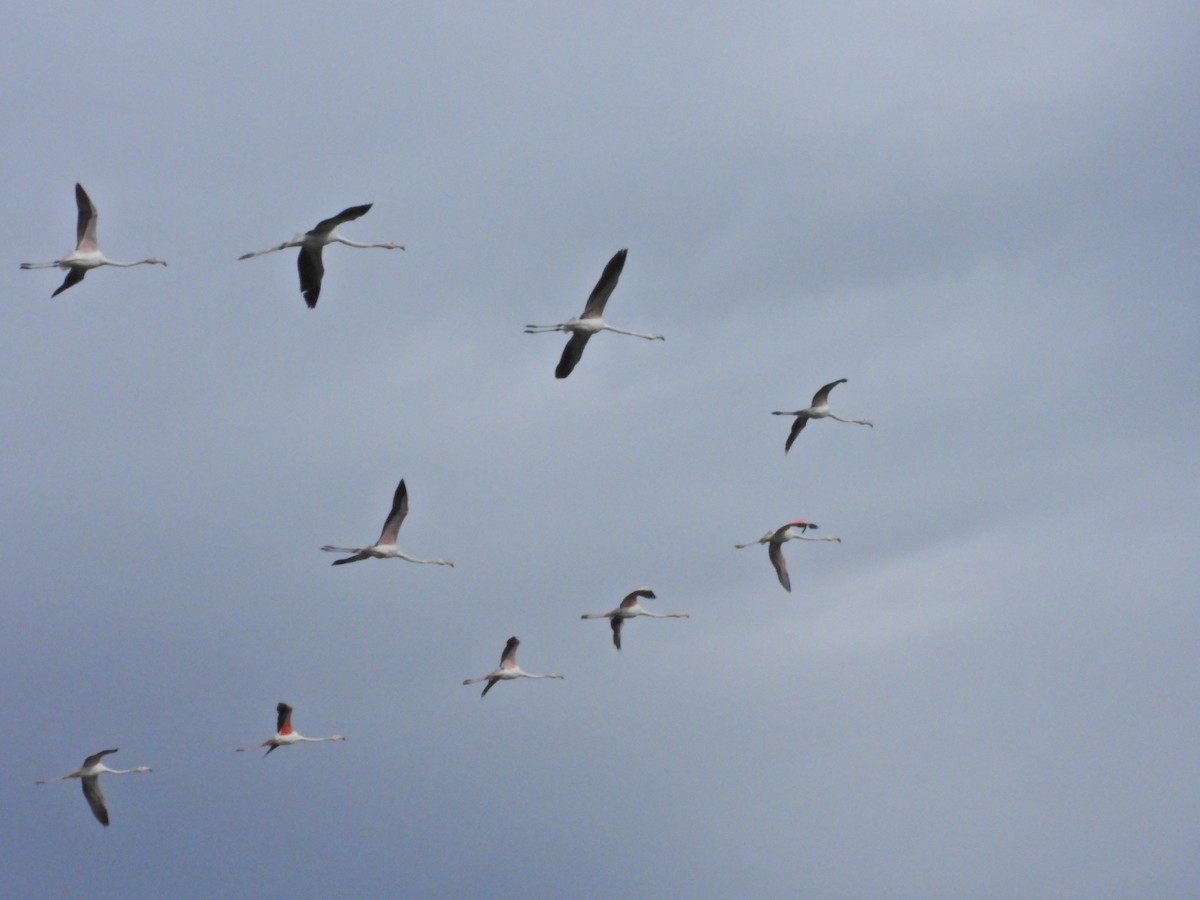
(984, 217)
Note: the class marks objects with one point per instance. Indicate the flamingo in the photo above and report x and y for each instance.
(629, 608)
(777, 538)
(311, 243)
(385, 547)
(86, 254)
(285, 736)
(508, 669)
(89, 774)
(818, 410)
(583, 327)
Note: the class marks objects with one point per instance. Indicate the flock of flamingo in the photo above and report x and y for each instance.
(87, 255)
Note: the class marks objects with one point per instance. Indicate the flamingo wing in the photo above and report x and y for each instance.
(283, 719)
(797, 427)
(85, 226)
(312, 270)
(96, 757)
(632, 597)
(572, 353)
(776, 553)
(95, 798)
(346, 215)
(508, 659)
(821, 397)
(604, 287)
(395, 518)
(74, 276)
(617, 622)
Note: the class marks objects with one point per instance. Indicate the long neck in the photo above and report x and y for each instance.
(337, 238)
(416, 559)
(126, 265)
(649, 337)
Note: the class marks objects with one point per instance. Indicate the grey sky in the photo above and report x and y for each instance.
(984, 217)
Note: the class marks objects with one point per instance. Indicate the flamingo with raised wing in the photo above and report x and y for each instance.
(629, 609)
(818, 410)
(313, 242)
(86, 254)
(508, 669)
(385, 547)
(89, 774)
(581, 328)
(285, 735)
(791, 531)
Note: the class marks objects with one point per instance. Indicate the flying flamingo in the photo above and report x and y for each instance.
(583, 327)
(792, 531)
(385, 547)
(818, 410)
(311, 243)
(86, 254)
(284, 735)
(89, 773)
(628, 609)
(508, 669)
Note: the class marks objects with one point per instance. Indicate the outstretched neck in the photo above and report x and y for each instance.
(336, 238)
(649, 337)
(149, 261)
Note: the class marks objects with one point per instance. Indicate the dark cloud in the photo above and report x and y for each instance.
(980, 217)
